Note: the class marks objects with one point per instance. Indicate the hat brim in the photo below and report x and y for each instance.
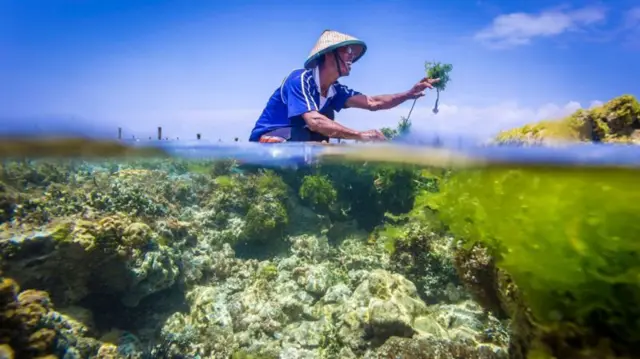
(313, 60)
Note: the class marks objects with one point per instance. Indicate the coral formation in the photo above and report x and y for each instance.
(617, 120)
(30, 327)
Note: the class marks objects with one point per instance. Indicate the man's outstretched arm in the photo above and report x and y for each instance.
(379, 102)
(385, 102)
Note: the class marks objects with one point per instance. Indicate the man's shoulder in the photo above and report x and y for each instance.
(295, 76)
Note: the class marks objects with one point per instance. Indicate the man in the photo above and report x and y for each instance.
(302, 108)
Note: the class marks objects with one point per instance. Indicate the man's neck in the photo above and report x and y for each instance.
(327, 78)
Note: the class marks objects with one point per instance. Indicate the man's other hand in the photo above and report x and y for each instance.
(372, 135)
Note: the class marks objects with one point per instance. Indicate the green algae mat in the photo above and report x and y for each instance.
(567, 237)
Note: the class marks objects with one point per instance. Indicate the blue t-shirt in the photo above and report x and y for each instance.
(298, 93)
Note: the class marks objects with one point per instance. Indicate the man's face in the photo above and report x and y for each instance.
(346, 54)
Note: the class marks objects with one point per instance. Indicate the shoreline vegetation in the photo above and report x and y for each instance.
(170, 258)
(616, 121)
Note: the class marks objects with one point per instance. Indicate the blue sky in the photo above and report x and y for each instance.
(210, 66)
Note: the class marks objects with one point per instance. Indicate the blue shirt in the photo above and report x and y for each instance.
(299, 93)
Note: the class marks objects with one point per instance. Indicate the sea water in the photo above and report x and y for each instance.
(410, 249)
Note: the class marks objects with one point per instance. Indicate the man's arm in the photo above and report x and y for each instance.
(319, 123)
(379, 102)
(385, 102)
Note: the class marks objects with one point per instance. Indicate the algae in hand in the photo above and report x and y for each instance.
(437, 70)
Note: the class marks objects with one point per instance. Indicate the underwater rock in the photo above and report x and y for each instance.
(290, 352)
(337, 294)
(465, 321)
(156, 271)
(307, 334)
(383, 305)
(310, 248)
(209, 318)
(315, 279)
(433, 348)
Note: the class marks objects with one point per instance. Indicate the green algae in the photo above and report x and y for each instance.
(437, 70)
(268, 272)
(567, 237)
(318, 191)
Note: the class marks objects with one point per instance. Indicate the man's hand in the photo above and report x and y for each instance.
(371, 135)
(417, 89)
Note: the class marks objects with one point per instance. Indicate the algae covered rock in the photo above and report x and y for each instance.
(424, 254)
(617, 120)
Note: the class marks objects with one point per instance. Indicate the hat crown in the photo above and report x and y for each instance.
(331, 39)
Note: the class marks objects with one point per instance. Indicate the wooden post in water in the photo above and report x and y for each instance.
(159, 133)
(119, 133)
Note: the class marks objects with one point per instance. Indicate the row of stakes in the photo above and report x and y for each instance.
(198, 136)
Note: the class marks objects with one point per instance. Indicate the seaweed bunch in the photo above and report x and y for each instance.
(438, 70)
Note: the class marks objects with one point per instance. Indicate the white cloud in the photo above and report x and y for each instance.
(520, 28)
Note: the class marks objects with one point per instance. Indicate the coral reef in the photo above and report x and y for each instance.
(307, 305)
(203, 259)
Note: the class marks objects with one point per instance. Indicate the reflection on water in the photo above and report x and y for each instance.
(410, 150)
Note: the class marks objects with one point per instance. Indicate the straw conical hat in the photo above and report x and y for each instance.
(331, 40)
